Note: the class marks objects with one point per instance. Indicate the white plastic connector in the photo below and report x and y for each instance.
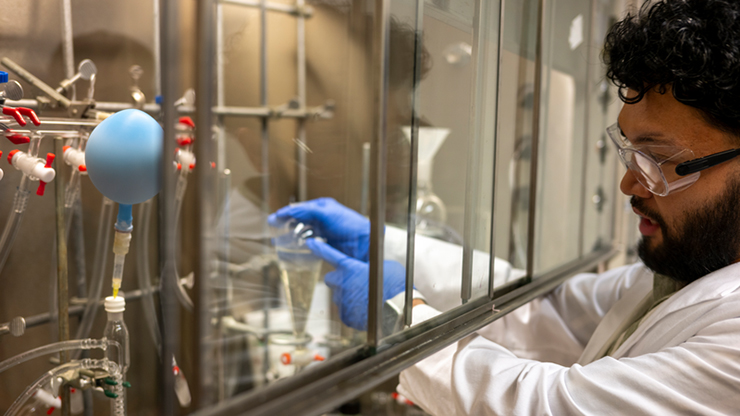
(48, 399)
(32, 166)
(75, 158)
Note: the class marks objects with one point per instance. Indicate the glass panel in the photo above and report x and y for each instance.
(602, 197)
(563, 123)
(275, 307)
(514, 142)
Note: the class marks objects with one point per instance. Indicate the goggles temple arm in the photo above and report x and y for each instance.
(696, 165)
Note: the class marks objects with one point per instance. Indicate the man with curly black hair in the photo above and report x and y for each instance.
(661, 337)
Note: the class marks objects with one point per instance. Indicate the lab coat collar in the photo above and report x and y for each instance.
(713, 286)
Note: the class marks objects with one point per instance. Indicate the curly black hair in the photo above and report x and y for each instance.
(691, 46)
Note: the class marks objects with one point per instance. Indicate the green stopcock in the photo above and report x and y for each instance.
(110, 394)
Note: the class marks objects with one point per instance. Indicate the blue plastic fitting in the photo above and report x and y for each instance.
(125, 220)
(3, 77)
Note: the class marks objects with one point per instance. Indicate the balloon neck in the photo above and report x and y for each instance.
(124, 221)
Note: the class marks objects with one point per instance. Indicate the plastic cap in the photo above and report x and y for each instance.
(3, 77)
(113, 305)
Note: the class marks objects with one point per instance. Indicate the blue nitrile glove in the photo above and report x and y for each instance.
(350, 282)
(343, 228)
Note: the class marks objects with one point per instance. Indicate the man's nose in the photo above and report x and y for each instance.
(632, 187)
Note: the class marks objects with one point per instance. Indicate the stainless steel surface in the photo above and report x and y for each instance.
(380, 73)
(414, 154)
(536, 121)
(273, 7)
(62, 282)
(497, 110)
(168, 235)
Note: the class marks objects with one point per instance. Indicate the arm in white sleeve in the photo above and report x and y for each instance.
(438, 268)
(479, 377)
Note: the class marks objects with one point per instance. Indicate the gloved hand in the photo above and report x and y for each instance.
(350, 282)
(343, 228)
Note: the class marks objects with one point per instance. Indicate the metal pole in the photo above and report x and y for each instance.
(499, 53)
(471, 182)
(414, 151)
(206, 197)
(586, 127)
(62, 283)
(378, 168)
(168, 299)
(157, 50)
(531, 220)
(68, 51)
(301, 148)
(265, 168)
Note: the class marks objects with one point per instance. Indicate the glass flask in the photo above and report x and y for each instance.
(299, 271)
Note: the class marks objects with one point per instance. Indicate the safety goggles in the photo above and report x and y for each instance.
(663, 169)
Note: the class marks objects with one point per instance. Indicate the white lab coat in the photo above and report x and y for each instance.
(683, 359)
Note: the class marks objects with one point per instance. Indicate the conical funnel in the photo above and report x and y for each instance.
(430, 140)
(299, 271)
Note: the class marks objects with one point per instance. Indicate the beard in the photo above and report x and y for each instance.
(708, 239)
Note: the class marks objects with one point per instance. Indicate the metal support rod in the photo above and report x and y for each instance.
(534, 159)
(62, 283)
(31, 79)
(169, 34)
(499, 53)
(274, 7)
(157, 49)
(206, 196)
(301, 73)
(68, 51)
(76, 309)
(473, 166)
(414, 152)
(381, 29)
(317, 112)
(586, 127)
(265, 158)
(365, 185)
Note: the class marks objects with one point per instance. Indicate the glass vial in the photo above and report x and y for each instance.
(116, 330)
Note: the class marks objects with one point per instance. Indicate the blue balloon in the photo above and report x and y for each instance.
(124, 157)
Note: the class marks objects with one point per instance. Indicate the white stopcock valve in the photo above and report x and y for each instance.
(301, 357)
(185, 160)
(35, 168)
(75, 158)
